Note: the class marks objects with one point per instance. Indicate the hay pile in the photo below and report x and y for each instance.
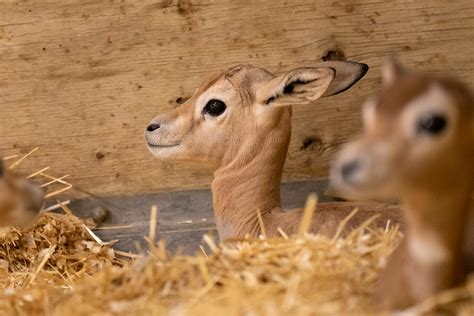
(56, 248)
(58, 267)
(301, 275)
(49, 256)
(282, 276)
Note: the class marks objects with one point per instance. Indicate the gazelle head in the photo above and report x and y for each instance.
(418, 133)
(243, 108)
(20, 199)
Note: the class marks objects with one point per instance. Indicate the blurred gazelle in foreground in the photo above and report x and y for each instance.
(418, 147)
(20, 199)
(240, 122)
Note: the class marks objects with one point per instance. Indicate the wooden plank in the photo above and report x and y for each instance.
(81, 79)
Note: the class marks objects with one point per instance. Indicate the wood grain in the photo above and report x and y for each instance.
(81, 79)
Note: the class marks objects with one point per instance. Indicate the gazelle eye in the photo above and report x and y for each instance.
(214, 107)
(432, 124)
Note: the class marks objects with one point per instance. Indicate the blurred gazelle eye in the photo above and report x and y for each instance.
(431, 124)
(214, 107)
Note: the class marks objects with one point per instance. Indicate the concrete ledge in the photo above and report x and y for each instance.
(184, 216)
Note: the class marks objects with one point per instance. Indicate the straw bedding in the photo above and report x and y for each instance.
(59, 267)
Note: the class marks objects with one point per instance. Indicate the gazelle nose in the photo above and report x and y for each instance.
(153, 127)
(349, 169)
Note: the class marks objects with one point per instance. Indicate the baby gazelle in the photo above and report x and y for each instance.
(240, 122)
(20, 199)
(418, 147)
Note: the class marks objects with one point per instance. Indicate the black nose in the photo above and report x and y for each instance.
(349, 168)
(153, 127)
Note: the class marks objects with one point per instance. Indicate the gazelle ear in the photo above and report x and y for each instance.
(305, 85)
(1, 167)
(391, 70)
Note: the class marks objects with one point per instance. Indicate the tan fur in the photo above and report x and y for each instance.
(248, 144)
(432, 175)
(20, 200)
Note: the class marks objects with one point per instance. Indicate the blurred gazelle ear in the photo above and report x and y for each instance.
(391, 70)
(305, 85)
(1, 167)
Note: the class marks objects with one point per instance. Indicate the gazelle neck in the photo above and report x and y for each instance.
(437, 224)
(248, 182)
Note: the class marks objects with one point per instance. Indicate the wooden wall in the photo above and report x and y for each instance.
(81, 79)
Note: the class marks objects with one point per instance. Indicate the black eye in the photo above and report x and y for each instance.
(214, 107)
(431, 124)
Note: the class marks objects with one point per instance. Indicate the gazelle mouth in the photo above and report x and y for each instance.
(163, 145)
